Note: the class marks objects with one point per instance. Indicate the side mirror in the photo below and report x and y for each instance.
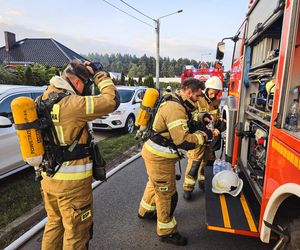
(220, 51)
(5, 122)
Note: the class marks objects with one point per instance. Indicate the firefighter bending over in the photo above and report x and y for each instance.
(208, 114)
(67, 192)
(161, 152)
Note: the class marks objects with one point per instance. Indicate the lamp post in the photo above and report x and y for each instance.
(157, 28)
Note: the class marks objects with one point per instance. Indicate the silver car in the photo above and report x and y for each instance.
(10, 155)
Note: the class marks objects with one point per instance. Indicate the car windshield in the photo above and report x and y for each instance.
(125, 95)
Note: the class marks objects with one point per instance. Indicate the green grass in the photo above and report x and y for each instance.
(112, 147)
(19, 193)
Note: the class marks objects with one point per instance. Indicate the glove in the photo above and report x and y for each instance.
(221, 125)
(207, 118)
(93, 68)
(209, 134)
(195, 126)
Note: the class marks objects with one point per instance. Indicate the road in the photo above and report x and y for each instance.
(116, 225)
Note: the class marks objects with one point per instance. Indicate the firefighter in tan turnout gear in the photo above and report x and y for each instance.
(68, 193)
(161, 152)
(208, 114)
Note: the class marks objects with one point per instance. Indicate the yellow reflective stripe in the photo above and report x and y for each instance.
(177, 123)
(189, 181)
(89, 105)
(76, 168)
(105, 83)
(55, 113)
(226, 219)
(168, 225)
(200, 138)
(147, 206)
(159, 151)
(248, 213)
(60, 134)
(71, 176)
(213, 112)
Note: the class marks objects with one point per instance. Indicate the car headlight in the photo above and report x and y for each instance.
(118, 112)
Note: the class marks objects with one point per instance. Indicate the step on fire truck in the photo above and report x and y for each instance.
(263, 131)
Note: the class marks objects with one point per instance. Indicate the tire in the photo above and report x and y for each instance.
(129, 125)
(294, 232)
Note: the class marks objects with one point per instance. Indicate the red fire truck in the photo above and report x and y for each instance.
(203, 72)
(263, 127)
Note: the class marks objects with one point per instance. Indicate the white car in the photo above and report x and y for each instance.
(10, 155)
(124, 117)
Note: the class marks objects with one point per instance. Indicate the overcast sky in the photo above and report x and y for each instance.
(87, 26)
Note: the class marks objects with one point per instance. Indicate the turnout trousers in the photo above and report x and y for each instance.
(160, 194)
(197, 159)
(69, 224)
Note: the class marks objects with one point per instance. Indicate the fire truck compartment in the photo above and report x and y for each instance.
(226, 213)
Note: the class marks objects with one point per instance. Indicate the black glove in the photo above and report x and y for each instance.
(221, 125)
(209, 134)
(206, 117)
(195, 126)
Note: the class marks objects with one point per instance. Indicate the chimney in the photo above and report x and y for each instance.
(10, 40)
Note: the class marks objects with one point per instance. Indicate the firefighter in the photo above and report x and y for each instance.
(67, 195)
(208, 114)
(162, 151)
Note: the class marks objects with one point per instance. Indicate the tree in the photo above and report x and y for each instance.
(122, 81)
(133, 70)
(140, 81)
(28, 76)
(7, 77)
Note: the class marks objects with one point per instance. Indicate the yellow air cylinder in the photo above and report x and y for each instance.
(31, 143)
(149, 101)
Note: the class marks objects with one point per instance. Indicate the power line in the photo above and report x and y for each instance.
(137, 10)
(127, 13)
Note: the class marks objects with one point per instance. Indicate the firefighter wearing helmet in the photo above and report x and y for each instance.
(67, 192)
(208, 114)
(170, 134)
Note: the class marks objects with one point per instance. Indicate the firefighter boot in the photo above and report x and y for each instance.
(175, 239)
(148, 216)
(187, 195)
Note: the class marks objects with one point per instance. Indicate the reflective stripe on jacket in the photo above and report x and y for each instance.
(69, 116)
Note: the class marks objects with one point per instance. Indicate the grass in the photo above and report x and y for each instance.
(113, 147)
(19, 193)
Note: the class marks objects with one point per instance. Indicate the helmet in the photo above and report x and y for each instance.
(270, 87)
(169, 89)
(214, 82)
(227, 181)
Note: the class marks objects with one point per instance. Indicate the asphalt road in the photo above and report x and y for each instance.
(116, 225)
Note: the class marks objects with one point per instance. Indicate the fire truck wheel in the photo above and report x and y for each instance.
(294, 231)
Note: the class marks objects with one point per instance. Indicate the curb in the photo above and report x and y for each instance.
(35, 217)
(28, 219)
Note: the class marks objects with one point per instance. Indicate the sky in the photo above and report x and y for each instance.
(90, 26)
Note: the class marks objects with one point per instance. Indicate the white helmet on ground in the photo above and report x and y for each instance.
(227, 182)
(214, 82)
(169, 89)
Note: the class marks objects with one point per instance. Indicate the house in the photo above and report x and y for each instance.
(45, 51)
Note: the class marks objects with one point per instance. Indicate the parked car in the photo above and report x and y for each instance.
(10, 155)
(124, 117)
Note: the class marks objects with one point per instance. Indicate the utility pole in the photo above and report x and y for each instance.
(157, 24)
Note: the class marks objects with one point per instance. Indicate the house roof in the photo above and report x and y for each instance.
(42, 50)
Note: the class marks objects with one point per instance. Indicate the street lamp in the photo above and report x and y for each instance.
(157, 28)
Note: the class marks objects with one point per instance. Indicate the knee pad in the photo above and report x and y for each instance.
(194, 169)
(174, 200)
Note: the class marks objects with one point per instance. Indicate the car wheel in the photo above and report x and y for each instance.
(129, 125)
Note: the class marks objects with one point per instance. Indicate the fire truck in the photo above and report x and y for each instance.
(203, 72)
(262, 139)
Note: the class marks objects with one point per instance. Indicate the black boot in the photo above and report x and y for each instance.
(175, 239)
(187, 195)
(148, 216)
